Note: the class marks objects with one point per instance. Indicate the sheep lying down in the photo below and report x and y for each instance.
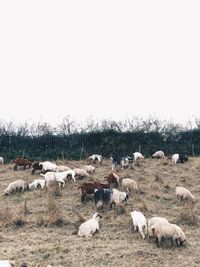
(89, 227)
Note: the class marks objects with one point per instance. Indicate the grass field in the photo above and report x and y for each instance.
(40, 229)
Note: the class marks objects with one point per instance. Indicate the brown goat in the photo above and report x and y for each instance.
(21, 162)
(88, 188)
(113, 179)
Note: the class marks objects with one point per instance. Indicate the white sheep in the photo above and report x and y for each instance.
(48, 166)
(59, 177)
(139, 222)
(94, 158)
(62, 168)
(7, 263)
(18, 185)
(37, 183)
(117, 197)
(175, 158)
(129, 184)
(159, 155)
(153, 221)
(88, 168)
(2, 160)
(184, 194)
(89, 227)
(80, 173)
(163, 230)
(137, 155)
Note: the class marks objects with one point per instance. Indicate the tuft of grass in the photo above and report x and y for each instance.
(188, 214)
(5, 216)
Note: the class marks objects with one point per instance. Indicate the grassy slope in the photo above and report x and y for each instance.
(115, 245)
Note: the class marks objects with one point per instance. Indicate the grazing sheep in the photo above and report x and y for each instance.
(117, 197)
(153, 221)
(102, 197)
(48, 166)
(163, 230)
(89, 168)
(137, 155)
(80, 173)
(89, 227)
(116, 161)
(139, 222)
(109, 196)
(179, 158)
(7, 263)
(62, 168)
(2, 160)
(94, 159)
(59, 177)
(130, 185)
(158, 155)
(36, 167)
(37, 183)
(21, 162)
(113, 179)
(184, 194)
(88, 188)
(18, 185)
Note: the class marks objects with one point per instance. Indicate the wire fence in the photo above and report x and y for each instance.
(80, 146)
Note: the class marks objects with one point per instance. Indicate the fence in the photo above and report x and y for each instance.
(77, 146)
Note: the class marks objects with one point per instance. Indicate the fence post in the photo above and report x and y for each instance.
(139, 148)
(10, 142)
(81, 152)
(193, 150)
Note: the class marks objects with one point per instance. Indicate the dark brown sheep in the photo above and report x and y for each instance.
(21, 162)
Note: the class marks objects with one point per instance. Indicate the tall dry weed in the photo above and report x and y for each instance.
(52, 213)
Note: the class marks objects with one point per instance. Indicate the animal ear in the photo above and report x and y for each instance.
(99, 215)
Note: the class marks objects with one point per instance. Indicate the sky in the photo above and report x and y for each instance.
(105, 59)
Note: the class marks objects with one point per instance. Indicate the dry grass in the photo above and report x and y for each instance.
(40, 227)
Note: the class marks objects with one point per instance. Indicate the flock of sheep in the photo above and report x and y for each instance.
(105, 195)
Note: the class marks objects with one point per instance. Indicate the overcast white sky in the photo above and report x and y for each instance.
(109, 59)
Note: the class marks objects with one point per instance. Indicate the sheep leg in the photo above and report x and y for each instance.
(15, 167)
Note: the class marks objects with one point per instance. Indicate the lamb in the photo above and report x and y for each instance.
(130, 185)
(88, 188)
(139, 222)
(80, 173)
(37, 183)
(7, 263)
(163, 230)
(18, 185)
(94, 159)
(184, 194)
(113, 179)
(48, 166)
(89, 168)
(158, 155)
(2, 160)
(89, 227)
